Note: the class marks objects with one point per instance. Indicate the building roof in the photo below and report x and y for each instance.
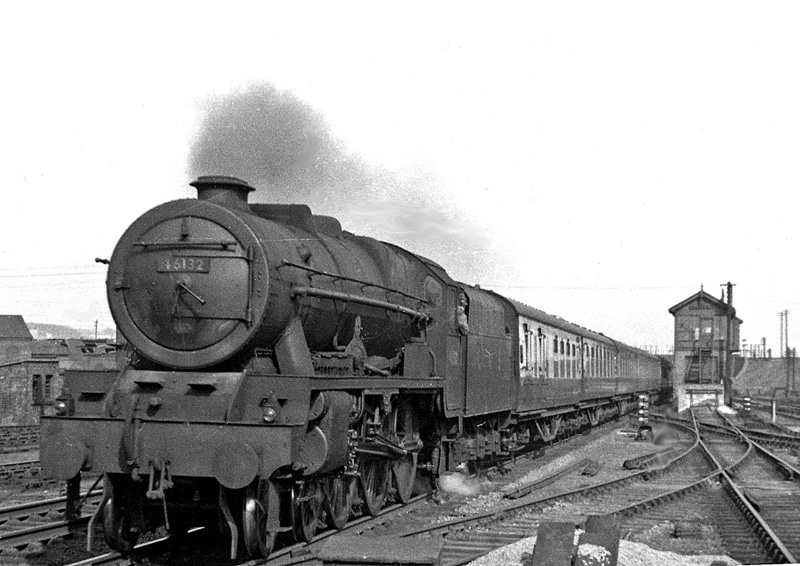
(13, 327)
(702, 296)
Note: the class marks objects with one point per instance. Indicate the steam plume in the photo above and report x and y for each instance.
(283, 146)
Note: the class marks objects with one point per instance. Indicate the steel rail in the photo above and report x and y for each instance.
(301, 552)
(775, 548)
(527, 503)
(17, 511)
(42, 532)
(790, 471)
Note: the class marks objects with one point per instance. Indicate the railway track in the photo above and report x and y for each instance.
(20, 438)
(666, 484)
(787, 412)
(21, 471)
(306, 553)
(771, 485)
(713, 469)
(753, 530)
(692, 479)
(663, 484)
(515, 517)
(42, 521)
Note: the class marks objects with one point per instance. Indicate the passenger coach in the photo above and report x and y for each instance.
(560, 362)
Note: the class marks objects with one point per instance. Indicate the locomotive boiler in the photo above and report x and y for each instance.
(282, 371)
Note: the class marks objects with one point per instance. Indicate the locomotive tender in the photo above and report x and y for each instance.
(282, 371)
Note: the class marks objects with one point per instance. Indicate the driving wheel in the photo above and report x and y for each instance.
(404, 472)
(338, 500)
(374, 476)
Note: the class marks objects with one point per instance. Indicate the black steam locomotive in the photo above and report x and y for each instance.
(282, 371)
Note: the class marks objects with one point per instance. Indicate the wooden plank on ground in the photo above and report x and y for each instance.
(555, 543)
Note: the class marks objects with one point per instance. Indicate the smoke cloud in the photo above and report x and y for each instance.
(275, 141)
(285, 148)
(408, 220)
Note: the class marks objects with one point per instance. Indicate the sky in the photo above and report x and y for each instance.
(599, 161)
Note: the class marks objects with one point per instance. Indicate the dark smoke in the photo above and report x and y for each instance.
(285, 148)
(275, 141)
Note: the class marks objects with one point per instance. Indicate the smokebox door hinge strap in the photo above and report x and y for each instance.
(250, 285)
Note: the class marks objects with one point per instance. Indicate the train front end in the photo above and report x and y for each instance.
(183, 423)
(275, 361)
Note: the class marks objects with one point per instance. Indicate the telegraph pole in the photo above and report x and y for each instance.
(786, 331)
(727, 378)
(785, 351)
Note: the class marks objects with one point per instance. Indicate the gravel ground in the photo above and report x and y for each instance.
(610, 449)
(630, 554)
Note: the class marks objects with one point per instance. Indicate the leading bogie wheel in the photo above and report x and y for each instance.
(116, 528)
(257, 539)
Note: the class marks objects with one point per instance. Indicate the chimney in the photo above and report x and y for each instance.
(225, 191)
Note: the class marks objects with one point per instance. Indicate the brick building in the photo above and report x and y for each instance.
(31, 371)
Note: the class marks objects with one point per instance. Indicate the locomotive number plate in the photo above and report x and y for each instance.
(184, 264)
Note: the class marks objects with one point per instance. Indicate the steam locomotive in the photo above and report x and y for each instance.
(283, 372)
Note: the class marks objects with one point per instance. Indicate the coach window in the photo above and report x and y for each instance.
(554, 356)
(569, 360)
(541, 354)
(584, 367)
(528, 348)
(574, 362)
(602, 362)
(523, 348)
(547, 356)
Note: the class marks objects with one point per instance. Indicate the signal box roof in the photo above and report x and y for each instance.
(703, 297)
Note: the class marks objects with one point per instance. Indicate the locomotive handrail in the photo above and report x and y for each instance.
(288, 263)
(339, 296)
(184, 244)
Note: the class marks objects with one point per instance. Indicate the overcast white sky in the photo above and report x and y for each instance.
(604, 158)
